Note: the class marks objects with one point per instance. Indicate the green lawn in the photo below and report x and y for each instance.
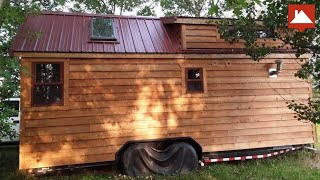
(301, 165)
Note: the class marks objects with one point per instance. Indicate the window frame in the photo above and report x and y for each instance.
(99, 38)
(201, 79)
(34, 83)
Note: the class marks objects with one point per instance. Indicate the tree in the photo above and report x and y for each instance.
(274, 19)
(193, 8)
(12, 14)
(146, 11)
(106, 6)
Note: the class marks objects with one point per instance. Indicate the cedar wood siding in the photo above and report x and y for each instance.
(206, 37)
(111, 101)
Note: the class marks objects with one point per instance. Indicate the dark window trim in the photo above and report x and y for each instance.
(98, 38)
(194, 80)
(34, 83)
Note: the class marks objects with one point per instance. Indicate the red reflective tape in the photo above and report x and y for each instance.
(207, 160)
(219, 159)
(251, 157)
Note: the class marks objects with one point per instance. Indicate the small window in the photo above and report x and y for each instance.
(265, 34)
(47, 87)
(102, 29)
(194, 80)
(258, 33)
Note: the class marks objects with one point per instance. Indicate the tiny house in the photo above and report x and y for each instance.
(103, 88)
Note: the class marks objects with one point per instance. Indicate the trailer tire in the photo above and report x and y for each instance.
(142, 159)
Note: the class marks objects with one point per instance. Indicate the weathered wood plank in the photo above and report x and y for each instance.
(154, 128)
(177, 107)
(201, 27)
(239, 86)
(124, 119)
(27, 163)
(203, 32)
(124, 67)
(256, 73)
(244, 80)
(123, 89)
(201, 39)
(127, 75)
(145, 99)
(147, 56)
(126, 82)
(28, 141)
(261, 144)
(67, 148)
(166, 88)
(234, 60)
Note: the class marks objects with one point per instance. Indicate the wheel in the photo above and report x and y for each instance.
(143, 159)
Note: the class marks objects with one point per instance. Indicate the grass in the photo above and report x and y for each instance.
(299, 165)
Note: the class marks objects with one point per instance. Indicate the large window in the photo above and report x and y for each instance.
(194, 80)
(102, 29)
(47, 84)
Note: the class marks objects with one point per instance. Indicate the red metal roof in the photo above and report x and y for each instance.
(69, 32)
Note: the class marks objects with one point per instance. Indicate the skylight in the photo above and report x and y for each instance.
(102, 29)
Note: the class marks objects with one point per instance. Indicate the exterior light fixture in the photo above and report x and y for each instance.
(275, 72)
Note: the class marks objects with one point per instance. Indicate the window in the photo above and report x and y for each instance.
(265, 34)
(260, 33)
(194, 80)
(47, 84)
(102, 29)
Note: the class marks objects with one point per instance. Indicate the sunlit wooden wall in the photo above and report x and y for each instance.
(111, 101)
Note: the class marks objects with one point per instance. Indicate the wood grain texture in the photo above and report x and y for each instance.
(208, 37)
(112, 101)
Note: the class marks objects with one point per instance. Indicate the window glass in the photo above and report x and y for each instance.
(102, 29)
(194, 80)
(47, 73)
(47, 84)
(194, 74)
(48, 94)
(194, 86)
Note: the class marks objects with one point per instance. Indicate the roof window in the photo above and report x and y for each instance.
(102, 29)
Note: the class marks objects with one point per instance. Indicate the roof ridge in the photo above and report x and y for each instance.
(96, 15)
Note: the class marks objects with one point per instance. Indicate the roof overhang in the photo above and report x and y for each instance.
(197, 20)
(191, 55)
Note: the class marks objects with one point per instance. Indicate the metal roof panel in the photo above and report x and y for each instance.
(69, 32)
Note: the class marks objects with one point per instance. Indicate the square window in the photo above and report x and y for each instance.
(102, 29)
(194, 80)
(47, 84)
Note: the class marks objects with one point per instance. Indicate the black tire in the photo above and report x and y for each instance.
(143, 159)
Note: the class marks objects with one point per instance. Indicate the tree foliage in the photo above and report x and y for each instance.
(10, 18)
(193, 8)
(106, 6)
(273, 18)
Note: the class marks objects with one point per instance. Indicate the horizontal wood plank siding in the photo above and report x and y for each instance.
(112, 101)
(208, 37)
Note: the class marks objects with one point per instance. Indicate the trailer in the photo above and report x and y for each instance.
(153, 95)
